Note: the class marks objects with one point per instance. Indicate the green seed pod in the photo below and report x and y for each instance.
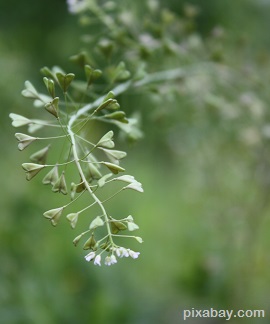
(106, 140)
(60, 185)
(24, 140)
(32, 169)
(96, 223)
(51, 177)
(117, 226)
(18, 120)
(40, 156)
(90, 243)
(113, 167)
(54, 215)
(52, 107)
(73, 218)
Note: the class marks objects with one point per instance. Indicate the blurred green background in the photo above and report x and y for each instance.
(204, 163)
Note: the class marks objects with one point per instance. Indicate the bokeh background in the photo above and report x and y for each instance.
(204, 163)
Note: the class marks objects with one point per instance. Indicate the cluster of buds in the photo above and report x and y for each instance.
(111, 259)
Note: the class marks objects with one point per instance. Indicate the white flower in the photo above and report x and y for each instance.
(109, 260)
(75, 6)
(122, 252)
(90, 256)
(133, 254)
(113, 259)
(97, 260)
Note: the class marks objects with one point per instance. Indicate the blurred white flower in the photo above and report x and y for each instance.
(75, 6)
(133, 254)
(90, 256)
(97, 260)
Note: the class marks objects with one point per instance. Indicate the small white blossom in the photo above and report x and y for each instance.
(121, 252)
(97, 260)
(90, 256)
(113, 259)
(108, 260)
(133, 254)
(75, 6)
